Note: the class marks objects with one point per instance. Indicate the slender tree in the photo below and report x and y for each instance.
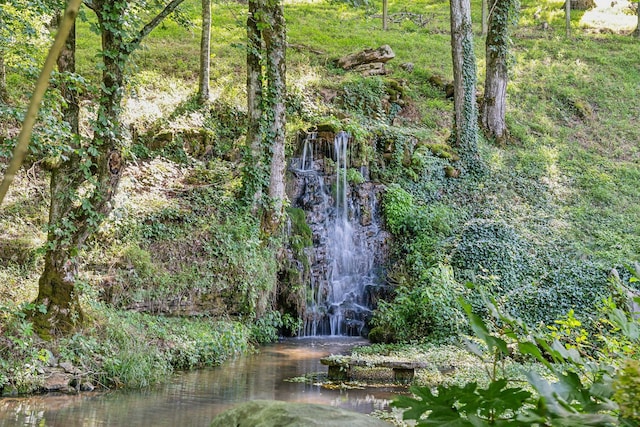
(636, 33)
(275, 73)
(385, 14)
(4, 94)
(464, 82)
(205, 52)
(84, 184)
(567, 17)
(494, 104)
(254, 173)
(264, 169)
(485, 17)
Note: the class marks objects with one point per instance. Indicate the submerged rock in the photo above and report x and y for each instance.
(266, 413)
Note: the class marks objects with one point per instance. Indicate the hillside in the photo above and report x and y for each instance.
(558, 209)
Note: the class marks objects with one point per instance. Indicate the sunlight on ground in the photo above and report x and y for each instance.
(614, 15)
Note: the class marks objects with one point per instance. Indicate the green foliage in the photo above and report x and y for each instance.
(466, 406)
(22, 354)
(111, 350)
(566, 283)
(354, 176)
(397, 206)
(487, 247)
(423, 309)
(363, 96)
(268, 327)
(577, 390)
(627, 390)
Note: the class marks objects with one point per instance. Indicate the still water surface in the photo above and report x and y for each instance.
(194, 398)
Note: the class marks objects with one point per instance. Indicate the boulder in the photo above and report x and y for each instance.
(267, 413)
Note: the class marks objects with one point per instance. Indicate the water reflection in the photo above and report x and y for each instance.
(194, 398)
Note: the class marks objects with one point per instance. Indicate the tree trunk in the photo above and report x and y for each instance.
(57, 282)
(464, 81)
(495, 88)
(4, 94)
(254, 173)
(385, 14)
(567, 15)
(636, 33)
(275, 49)
(205, 52)
(485, 17)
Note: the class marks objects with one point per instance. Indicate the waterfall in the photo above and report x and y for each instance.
(348, 242)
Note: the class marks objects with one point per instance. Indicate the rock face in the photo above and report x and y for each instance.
(265, 413)
(342, 210)
(369, 62)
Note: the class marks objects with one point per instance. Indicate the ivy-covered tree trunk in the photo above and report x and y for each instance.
(275, 49)
(74, 216)
(495, 88)
(57, 282)
(254, 174)
(205, 52)
(264, 168)
(464, 83)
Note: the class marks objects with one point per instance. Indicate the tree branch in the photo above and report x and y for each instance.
(152, 24)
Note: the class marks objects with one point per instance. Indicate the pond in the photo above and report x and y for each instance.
(194, 398)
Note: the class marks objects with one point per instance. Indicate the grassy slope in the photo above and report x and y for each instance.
(569, 178)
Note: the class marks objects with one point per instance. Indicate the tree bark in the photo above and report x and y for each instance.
(254, 172)
(495, 89)
(205, 52)
(275, 49)
(4, 94)
(464, 81)
(567, 16)
(385, 14)
(485, 17)
(636, 33)
(72, 216)
(56, 287)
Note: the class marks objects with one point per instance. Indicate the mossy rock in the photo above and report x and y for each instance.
(266, 413)
(325, 127)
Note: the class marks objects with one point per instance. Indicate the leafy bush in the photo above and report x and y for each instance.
(267, 328)
(627, 391)
(364, 96)
(397, 205)
(575, 391)
(424, 309)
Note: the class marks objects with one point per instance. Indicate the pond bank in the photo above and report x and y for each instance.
(193, 398)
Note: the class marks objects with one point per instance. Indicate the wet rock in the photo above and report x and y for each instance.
(58, 381)
(266, 413)
(87, 386)
(69, 368)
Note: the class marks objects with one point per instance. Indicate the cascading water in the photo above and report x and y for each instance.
(348, 243)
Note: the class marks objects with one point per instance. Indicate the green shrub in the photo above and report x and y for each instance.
(627, 392)
(397, 205)
(424, 309)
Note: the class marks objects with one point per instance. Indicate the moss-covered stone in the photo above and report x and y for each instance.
(265, 413)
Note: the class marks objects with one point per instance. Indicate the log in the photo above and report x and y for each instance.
(382, 54)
